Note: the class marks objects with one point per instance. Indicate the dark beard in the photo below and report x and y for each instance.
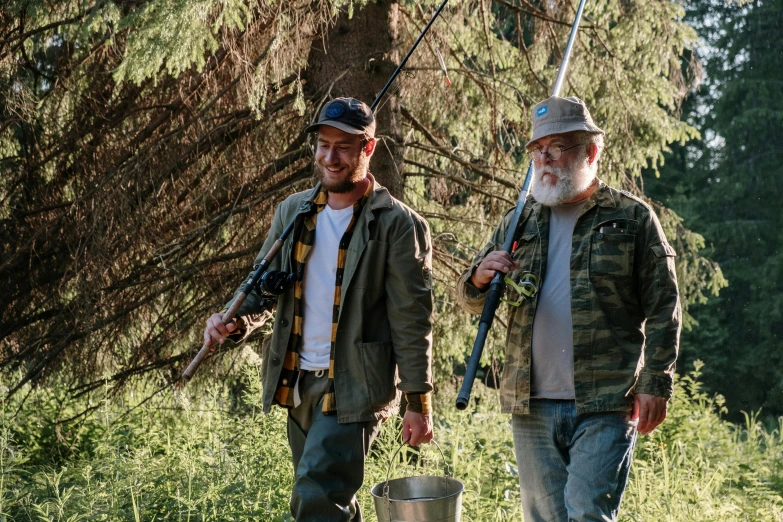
(346, 185)
(336, 187)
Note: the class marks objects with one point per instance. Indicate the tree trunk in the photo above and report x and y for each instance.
(365, 47)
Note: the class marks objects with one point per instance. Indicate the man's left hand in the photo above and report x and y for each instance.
(416, 428)
(649, 410)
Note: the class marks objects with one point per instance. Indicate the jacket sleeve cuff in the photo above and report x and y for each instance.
(419, 402)
(471, 298)
(658, 385)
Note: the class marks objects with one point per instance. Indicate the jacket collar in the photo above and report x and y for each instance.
(604, 196)
(307, 204)
(380, 197)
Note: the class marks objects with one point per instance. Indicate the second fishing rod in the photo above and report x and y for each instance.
(496, 287)
(272, 283)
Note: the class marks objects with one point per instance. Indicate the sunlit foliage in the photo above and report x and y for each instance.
(143, 146)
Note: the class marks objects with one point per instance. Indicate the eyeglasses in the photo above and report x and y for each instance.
(555, 152)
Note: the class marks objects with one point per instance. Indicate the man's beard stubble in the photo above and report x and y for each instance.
(348, 183)
(572, 180)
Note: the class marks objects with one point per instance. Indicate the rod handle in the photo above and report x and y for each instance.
(190, 371)
(276, 246)
(485, 323)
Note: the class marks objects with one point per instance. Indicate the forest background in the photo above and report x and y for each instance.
(144, 145)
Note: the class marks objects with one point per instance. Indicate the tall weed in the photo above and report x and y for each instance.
(188, 456)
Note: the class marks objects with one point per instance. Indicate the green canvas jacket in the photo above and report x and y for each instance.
(625, 303)
(384, 329)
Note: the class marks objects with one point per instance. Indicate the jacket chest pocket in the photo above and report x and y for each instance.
(526, 250)
(612, 248)
(526, 279)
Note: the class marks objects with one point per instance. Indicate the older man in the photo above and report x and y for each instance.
(594, 332)
(354, 326)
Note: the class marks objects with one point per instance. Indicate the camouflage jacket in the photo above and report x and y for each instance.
(625, 304)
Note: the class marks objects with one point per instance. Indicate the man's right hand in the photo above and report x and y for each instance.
(217, 331)
(496, 260)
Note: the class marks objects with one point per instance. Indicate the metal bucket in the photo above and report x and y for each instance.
(418, 499)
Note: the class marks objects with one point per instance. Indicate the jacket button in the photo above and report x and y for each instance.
(275, 361)
(284, 322)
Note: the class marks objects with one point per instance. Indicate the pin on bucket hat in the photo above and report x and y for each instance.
(347, 114)
(557, 115)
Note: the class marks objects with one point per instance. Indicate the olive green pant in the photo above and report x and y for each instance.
(328, 457)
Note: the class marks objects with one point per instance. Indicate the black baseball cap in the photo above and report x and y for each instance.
(347, 114)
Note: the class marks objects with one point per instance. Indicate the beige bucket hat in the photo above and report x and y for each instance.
(557, 115)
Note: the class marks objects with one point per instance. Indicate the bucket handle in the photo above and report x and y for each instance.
(391, 462)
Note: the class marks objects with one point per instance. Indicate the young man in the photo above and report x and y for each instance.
(356, 326)
(590, 353)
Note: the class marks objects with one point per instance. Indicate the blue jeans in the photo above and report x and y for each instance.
(572, 467)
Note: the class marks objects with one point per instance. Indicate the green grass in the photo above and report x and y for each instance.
(186, 459)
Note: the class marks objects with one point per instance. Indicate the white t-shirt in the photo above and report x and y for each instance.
(318, 288)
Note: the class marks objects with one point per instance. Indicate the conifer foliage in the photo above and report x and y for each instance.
(145, 143)
(729, 185)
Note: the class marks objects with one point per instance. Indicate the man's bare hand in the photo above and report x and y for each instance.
(649, 410)
(416, 428)
(217, 331)
(499, 260)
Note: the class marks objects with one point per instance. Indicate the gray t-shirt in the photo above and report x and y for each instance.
(553, 335)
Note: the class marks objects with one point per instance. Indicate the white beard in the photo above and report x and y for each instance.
(569, 182)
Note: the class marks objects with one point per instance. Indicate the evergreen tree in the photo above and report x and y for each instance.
(143, 146)
(728, 185)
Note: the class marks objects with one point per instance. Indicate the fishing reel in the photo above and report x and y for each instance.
(275, 282)
(526, 287)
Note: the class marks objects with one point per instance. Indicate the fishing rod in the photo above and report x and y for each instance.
(275, 282)
(496, 286)
(410, 52)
